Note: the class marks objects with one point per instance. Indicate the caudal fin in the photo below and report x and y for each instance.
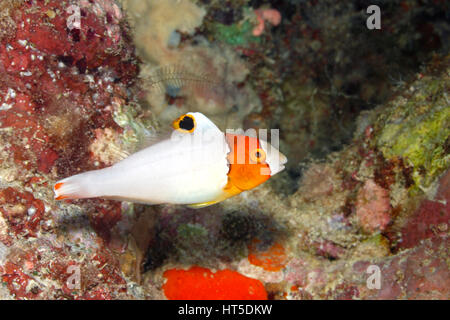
(75, 187)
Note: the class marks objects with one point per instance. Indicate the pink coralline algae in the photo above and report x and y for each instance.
(58, 82)
(373, 207)
(272, 16)
(22, 211)
(317, 182)
(417, 273)
(56, 91)
(328, 249)
(431, 219)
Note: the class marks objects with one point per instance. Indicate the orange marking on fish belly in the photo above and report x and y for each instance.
(61, 197)
(58, 185)
(230, 189)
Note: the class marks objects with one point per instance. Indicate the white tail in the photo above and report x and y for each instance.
(75, 187)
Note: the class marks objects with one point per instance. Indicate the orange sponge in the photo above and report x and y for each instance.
(273, 259)
(201, 284)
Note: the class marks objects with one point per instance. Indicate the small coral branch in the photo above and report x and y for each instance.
(272, 16)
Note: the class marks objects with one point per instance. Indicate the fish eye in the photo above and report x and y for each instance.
(258, 155)
(185, 123)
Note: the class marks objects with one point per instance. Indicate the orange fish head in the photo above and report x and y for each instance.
(252, 161)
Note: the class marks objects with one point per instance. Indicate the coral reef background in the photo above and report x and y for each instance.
(364, 118)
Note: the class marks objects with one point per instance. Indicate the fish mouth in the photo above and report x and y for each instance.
(283, 161)
(278, 166)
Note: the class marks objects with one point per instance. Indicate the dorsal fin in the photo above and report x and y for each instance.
(119, 154)
(192, 122)
(148, 138)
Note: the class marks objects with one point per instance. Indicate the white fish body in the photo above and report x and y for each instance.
(188, 168)
(196, 166)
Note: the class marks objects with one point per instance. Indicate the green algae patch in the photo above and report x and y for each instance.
(377, 240)
(417, 129)
(188, 231)
(192, 243)
(238, 34)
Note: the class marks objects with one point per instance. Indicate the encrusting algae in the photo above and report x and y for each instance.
(417, 128)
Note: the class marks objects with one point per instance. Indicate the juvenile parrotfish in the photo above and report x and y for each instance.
(198, 166)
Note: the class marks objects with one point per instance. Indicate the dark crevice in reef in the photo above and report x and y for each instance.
(225, 239)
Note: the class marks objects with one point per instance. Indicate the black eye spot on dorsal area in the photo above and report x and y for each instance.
(187, 123)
